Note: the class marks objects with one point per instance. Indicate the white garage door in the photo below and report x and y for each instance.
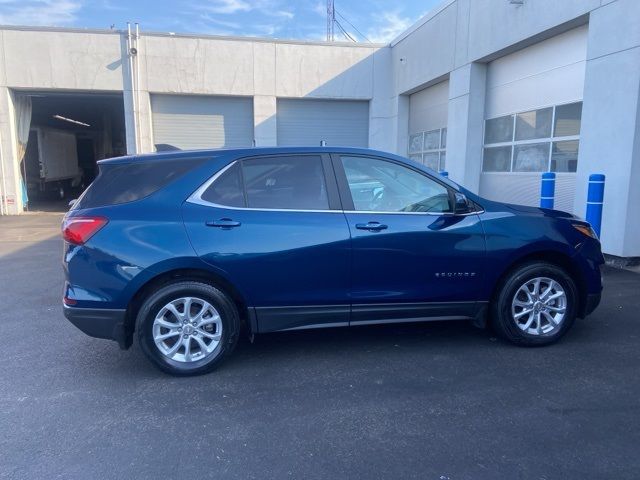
(193, 121)
(428, 114)
(308, 122)
(533, 114)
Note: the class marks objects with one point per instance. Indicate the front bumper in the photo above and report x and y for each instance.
(101, 323)
(591, 303)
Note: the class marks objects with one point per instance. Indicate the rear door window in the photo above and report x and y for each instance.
(227, 188)
(292, 182)
(295, 182)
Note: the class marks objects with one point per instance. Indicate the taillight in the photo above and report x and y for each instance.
(78, 230)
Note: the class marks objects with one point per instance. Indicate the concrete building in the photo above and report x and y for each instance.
(493, 91)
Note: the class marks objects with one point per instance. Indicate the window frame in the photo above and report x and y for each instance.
(441, 150)
(347, 199)
(551, 140)
(327, 170)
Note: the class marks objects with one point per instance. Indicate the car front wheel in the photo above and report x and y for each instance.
(535, 305)
(187, 327)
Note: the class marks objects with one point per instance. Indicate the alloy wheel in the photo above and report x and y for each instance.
(539, 306)
(187, 329)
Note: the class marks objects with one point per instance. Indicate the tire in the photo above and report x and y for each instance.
(509, 299)
(154, 314)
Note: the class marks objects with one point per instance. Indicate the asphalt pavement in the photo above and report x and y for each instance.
(442, 401)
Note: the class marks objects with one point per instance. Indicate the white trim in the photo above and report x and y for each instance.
(235, 38)
(534, 140)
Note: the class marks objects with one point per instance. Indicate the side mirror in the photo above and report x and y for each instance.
(72, 202)
(462, 204)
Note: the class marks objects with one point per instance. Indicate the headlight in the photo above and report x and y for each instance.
(585, 229)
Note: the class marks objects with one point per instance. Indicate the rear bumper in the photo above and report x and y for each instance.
(100, 323)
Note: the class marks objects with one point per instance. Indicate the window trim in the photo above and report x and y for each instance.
(513, 142)
(330, 183)
(347, 199)
(423, 151)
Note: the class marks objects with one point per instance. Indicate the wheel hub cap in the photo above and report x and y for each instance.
(539, 306)
(187, 329)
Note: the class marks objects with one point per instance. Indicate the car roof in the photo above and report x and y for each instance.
(241, 152)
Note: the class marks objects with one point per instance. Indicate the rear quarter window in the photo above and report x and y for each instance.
(123, 183)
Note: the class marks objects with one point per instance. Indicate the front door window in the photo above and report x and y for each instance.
(382, 186)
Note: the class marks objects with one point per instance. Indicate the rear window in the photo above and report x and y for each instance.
(129, 182)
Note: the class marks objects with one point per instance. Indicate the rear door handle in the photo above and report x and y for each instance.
(371, 226)
(223, 223)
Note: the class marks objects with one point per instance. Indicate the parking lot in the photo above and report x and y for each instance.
(429, 401)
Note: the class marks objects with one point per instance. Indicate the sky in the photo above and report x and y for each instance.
(364, 20)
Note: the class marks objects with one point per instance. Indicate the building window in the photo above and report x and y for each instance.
(543, 140)
(429, 148)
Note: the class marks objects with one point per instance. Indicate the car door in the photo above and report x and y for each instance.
(412, 257)
(273, 227)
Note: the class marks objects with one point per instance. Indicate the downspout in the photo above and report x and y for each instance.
(130, 53)
(137, 63)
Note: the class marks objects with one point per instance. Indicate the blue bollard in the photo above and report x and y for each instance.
(595, 198)
(444, 173)
(547, 190)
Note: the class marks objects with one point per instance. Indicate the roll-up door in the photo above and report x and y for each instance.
(428, 114)
(308, 122)
(198, 121)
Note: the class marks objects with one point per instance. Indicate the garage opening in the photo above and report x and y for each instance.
(67, 134)
(202, 121)
(311, 121)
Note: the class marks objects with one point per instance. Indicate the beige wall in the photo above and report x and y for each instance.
(80, 60)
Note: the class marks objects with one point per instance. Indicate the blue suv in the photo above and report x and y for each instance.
(185, 250)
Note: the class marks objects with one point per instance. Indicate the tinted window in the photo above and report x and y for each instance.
(289, 182)
(227, 189)
(531, 157)
(564, 156)
(499, 129)
(379, 185)
(534, 124)
(568, 119)
(121, 183)
(497, 159)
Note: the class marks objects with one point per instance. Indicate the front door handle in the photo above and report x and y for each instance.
(371, 226)
(223, 223)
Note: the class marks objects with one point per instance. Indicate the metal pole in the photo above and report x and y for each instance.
(133, 95)
(547, 190)
(4, 209)
(137, 64)
(595, 200)
(331, 19)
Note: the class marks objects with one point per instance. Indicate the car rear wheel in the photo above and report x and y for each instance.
(535, 305)
(187, 327)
